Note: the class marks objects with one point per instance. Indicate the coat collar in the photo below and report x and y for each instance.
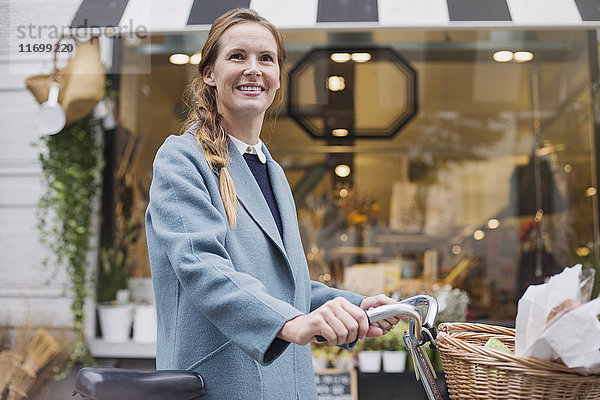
(246, 148)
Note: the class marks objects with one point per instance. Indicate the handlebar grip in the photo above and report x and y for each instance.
(406, 308)
(392, 310)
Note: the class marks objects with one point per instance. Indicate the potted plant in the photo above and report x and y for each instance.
(114, 309)
(369, 355)
(114, 269)
(394, 352)
(325, 356)
(115, 312)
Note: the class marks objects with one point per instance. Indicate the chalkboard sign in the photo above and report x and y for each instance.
(335, 384)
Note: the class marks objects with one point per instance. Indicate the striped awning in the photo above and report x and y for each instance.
(159, 16)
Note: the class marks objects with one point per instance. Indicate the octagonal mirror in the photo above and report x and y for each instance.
(354, 93)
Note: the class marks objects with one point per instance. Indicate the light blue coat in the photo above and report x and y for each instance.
(223, 294)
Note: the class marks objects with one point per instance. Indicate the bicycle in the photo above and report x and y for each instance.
(98, 383)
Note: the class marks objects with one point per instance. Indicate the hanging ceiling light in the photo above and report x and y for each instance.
(179, 59)
(339, 132)
(342, 170)
(340, 57)
(361, 57)
(523, 56)
(591, 191)
(336, 83)
(503, 56)
(493, 223)
(196, 58)
(583, 251)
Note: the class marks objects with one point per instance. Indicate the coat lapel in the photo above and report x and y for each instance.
(285, 202)
(251, 197)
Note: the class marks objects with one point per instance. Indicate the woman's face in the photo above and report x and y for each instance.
(245, 73)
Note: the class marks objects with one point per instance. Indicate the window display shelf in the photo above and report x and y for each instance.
(130, 349)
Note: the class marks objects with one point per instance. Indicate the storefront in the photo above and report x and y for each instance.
(430, 147)
(447, 147)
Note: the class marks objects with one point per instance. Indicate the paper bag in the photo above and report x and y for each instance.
(573, 335)
(574, 339)
(536, 303)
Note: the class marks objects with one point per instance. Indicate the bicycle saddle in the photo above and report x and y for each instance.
(99, 383)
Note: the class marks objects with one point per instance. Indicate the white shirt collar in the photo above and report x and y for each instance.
(246, 148)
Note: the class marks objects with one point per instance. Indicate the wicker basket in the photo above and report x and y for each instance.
(476, 372)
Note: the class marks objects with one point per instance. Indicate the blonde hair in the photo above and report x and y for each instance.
(210, 134)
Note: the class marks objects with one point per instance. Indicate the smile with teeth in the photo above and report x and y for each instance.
(250, 88)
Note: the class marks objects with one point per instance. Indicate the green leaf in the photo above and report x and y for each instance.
(495, 344)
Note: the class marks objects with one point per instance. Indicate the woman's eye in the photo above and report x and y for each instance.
(267, 57)
(235, 56)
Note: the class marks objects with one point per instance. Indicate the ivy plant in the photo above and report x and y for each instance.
(71, 166)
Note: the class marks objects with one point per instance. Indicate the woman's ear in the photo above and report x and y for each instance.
(207, 76)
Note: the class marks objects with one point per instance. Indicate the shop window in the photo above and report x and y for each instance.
(455, 197)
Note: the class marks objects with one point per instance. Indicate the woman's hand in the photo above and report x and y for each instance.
(383, 326)
(338, 321)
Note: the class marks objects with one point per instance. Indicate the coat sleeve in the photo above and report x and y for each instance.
(321, 293)
(192, 231)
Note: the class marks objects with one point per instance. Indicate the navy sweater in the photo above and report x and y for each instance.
(259, 170)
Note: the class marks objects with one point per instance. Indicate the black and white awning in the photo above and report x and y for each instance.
(183, 15)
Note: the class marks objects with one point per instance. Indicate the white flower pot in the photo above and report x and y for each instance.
(394, 361)
(344, 363)
(319, 363)
(369, 361)
(141, 290)
(115, 322)
(144, 323)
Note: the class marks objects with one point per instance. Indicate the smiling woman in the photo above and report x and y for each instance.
(234, 297)
(246, 78)
(243, 49)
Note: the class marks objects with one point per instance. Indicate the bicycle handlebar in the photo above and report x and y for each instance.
(432, 307)
(408, 308)
(398, 310)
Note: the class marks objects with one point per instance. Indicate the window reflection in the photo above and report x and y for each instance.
(466, 196)
(488, 189)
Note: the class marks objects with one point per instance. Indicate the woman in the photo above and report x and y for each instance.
(233, 293)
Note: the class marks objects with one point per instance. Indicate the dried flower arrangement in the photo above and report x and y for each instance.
(29, 357)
